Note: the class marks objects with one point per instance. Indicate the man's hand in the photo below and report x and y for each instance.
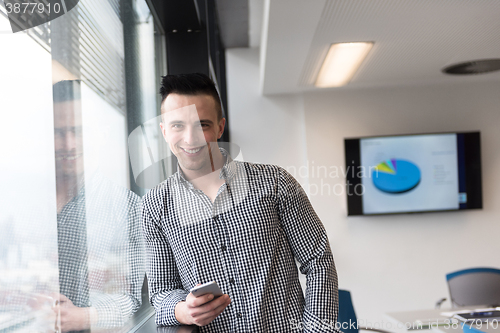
(200, 310)
(72, 317)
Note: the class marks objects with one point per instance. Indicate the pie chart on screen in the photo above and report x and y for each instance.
(396, 176)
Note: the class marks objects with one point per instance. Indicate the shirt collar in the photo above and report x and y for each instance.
(227, 172)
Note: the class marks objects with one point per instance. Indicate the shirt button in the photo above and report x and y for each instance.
(239, 314)
(223, 248)
(231, 280)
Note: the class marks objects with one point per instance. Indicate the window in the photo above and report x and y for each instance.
(72, 90)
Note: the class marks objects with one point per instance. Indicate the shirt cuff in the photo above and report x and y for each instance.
(313, 324)
(165, 312)
(110, 310)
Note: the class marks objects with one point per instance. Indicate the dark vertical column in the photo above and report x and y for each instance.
(217, 56)
(135, 116)
(186, 36)
(187, 52)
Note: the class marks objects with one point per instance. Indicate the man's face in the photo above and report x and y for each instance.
(68, 138)
(188, 124)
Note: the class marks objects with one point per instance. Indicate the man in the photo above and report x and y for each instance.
(239, 224)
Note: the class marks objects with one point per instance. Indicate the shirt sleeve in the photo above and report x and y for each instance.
(309, 242)
(165, 286)
(115, 308)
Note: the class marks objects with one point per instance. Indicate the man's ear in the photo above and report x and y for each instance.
(163, 131)
(222, 123)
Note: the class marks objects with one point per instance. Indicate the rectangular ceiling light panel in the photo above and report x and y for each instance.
(341, 62)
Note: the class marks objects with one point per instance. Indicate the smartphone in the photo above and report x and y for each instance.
(207, 288)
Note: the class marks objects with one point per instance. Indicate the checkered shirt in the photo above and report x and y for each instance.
(246, 241)
(101, 251)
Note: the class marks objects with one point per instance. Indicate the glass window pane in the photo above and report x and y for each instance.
(71, 245)
(28, 232)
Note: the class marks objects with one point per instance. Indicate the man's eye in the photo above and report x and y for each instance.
(176, 126)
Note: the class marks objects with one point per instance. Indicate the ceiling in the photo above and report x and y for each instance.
(414, 40)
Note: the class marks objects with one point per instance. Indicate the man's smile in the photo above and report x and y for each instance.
(192, 151)
(67, 156)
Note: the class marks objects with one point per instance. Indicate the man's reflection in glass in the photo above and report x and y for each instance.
(100, 244)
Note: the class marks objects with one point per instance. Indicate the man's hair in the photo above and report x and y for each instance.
(190, 84)
(68, 90)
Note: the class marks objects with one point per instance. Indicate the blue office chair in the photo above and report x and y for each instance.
(474, 286)
(469, 329)
(347, 315)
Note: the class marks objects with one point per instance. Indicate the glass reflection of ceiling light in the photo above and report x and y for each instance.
(341, 62)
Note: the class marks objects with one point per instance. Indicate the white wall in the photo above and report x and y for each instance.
(268, 129)
(399, 262)
(390, 263)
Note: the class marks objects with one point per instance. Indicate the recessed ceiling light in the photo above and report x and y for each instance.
(341, 62)
(473, 67)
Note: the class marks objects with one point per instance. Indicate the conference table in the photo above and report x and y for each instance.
(438, 320)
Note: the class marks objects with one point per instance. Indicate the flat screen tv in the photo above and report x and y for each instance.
(413, 173)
